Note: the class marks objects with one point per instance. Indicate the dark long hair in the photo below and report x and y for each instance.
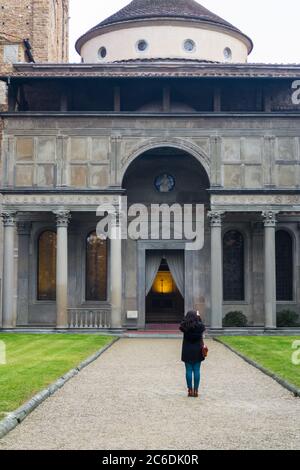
(190, 321)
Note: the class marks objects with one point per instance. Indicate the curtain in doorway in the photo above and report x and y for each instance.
(175, 260)
(153, 261)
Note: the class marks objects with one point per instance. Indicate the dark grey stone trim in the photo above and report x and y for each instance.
(62, 191)
(225, 67)
(158, 115)
(291, 388)
(266, 191)
(17, 416)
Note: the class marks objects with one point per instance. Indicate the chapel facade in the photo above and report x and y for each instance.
(165, 108)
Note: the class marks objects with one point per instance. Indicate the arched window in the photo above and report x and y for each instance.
(233, 266)
(46, 276)
(284, 266)
(96, 268)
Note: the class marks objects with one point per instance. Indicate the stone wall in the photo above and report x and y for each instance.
(235, 153)
(257, 162)
(43, 22)
(50, 17)
(49, 161)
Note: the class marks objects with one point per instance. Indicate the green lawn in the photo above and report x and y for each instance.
(273, 353)
(35, 361)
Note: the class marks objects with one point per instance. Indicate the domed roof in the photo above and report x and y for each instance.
(146, 9)
(161, 9)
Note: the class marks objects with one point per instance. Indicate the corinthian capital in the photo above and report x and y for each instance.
(269, 218)
(9, 218)
(62, 217)
(216, 218)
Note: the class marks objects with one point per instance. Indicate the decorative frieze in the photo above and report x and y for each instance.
(59, 199)
(255, 199)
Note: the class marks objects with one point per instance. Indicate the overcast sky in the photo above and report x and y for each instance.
(273, 25)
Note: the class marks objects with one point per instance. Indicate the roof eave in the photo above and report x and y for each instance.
(154, 70)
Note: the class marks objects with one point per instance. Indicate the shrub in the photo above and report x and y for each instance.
(287, 318)
(235, 320)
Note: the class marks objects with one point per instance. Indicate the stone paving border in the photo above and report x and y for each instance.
(282, 382)
(16, 417)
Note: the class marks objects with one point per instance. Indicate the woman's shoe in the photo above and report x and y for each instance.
(196, 394)
(190, 392)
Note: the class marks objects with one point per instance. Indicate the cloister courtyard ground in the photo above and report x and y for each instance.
(134, 397)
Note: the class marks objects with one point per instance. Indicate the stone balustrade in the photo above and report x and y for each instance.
(84, 318)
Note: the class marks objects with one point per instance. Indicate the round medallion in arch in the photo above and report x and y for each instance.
(164, 183)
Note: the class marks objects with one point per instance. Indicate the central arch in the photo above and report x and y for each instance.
(164, 269)
(175, 143)
(191, 180)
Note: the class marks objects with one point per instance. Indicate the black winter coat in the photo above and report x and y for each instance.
(192, 344)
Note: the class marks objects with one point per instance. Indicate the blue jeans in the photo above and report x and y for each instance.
(193, 369)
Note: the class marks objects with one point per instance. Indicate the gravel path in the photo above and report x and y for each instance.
(134, 397)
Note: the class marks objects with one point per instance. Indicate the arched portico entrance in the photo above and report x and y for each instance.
(166, 273)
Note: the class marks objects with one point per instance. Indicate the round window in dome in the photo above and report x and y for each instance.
(189, 45)
(142, 45)
(227, 53)
(102, 53)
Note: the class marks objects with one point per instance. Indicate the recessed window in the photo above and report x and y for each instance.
(189, 45)
(96, 268)
(142, 45)
(233, 266)
(102, 53)
(227, 53)
(46, 276)
(284, 266)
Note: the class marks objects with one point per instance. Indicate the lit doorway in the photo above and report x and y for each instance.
(164, 300)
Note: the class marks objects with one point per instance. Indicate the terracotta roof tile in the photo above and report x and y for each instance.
(143, 9)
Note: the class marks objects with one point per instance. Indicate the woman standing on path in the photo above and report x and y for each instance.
(192, 355)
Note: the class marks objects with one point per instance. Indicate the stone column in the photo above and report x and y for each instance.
(62, 218)
(116, 274)
(216, 270)
(24, 230)
(8, 313)
(258, 272)
(270, 269)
